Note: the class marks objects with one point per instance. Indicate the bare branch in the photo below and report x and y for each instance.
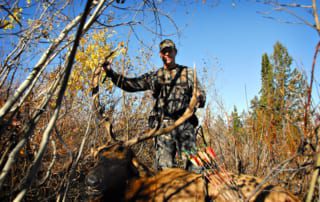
(295, 5)
(307, 108)
(315, 14)
(46, 135)
(315, 176)
(36, 70)
(54, 156)
(285, 8)
(11, 14)
(27, 131)
(130, 23)
(74, 164)
(274, 172)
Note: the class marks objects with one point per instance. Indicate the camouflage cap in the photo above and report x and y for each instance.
(167, 43)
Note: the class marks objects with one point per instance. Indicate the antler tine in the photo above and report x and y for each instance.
(186, 115)
(96, 103)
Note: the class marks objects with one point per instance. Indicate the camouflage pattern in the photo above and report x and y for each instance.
(167, 43)
(172, 90)
(181, 139)
(175, 92)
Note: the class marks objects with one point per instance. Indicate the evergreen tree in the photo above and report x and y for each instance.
(281, 64)
(236, 123)
(266, 82)
(296, 95)
(280, 105)
(254, 104)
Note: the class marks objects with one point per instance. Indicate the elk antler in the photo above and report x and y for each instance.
(99, 111)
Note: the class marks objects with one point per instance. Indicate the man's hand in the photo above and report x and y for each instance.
(106, 65)
(200, 99)
(103, 65)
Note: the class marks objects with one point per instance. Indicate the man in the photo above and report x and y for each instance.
(172, 87)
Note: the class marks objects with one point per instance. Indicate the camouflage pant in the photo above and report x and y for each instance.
(183, 138)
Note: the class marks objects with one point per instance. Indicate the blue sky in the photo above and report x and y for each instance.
(228, 38)
(231, 38)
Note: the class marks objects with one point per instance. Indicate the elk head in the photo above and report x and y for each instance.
(110, 174)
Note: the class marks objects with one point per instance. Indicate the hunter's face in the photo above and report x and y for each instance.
(168, 56)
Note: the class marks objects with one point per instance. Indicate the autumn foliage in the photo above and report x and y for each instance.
(277, 137)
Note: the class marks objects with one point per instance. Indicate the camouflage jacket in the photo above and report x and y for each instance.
(172, 89)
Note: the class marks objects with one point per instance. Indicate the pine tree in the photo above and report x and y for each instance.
(281, 63)
(236, 122)
(266, 81)
(296, 95)
(279, 108)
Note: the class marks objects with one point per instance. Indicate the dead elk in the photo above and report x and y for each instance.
(117, 176)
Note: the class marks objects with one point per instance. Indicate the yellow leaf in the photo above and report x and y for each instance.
(6, 24)
(30, 22)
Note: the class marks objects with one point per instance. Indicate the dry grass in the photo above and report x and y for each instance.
(256, 149)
